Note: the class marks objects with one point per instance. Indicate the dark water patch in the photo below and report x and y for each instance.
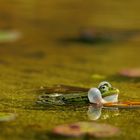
(5, 16)
(4, 62)
(35, 55)
(30, 71)
(96, 40)
(38, 22)
(91, 37)
(119, 78)
(116, 77)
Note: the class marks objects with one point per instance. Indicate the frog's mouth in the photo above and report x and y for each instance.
(110, 92)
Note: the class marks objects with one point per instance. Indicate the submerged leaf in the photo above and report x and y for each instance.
(5, 117)
(86, 128)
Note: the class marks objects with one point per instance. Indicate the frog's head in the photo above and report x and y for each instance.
(106, 89)
(109, 93)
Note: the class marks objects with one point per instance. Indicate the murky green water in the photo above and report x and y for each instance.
(39, 58)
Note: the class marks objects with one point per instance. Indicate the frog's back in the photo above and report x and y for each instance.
(61, 99)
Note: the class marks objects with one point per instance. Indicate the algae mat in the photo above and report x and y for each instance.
(39, 58)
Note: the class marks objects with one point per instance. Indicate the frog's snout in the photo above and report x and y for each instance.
(115, 90)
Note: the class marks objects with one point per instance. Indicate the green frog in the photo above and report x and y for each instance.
(104, 93)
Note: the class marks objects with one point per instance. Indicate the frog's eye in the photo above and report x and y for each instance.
(103, 88)
(104, 83)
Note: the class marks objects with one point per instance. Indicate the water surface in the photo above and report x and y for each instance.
(40, 59)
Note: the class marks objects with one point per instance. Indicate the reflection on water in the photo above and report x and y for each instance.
(95, 112)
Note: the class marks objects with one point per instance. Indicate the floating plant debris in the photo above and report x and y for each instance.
(9, 36)
(90, 129)
(125, 104)
(6, 117)
(132, 73)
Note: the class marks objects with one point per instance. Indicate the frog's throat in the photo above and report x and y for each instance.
(110, 92)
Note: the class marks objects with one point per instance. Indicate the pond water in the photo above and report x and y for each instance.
(41, 58)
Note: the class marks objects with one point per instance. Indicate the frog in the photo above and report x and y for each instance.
(104, 93)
